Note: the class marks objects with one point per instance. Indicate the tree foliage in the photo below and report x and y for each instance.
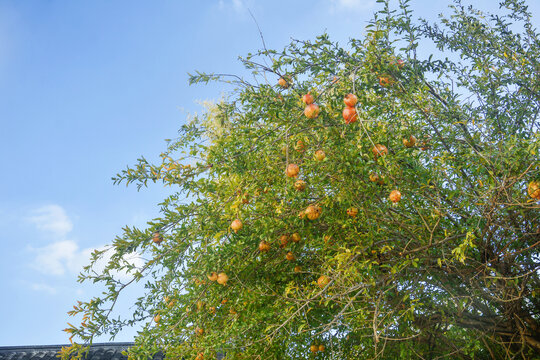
(448, 271)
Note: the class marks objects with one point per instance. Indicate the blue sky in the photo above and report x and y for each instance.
(86, 87)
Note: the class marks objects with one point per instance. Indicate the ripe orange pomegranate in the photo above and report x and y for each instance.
(200, 356)
(199, 331)
(292, 170)
(264, 246)
(321, 347)
(314, 348)
(236, 225)
(295, 237)
(300, 185)
(300, 146)
(157, 238)
(350, 115)
(213, 276)
(352, 212)
(222, 279)
(312, 111)
(384, 81)
(410, 142)
(283, 83)
(350, 100)
(322, 281)
(399, 63)
(283, 241)
(290, 256)
(307, 99)
(534, 189)
(313, 212)
(379, 150)
(395, 196)
(297, 269)
(320, 155)
(376, 178)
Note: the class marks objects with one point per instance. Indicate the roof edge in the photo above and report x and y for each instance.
(54, 347)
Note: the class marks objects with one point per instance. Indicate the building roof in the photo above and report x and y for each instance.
(103, 351)
(99, 351)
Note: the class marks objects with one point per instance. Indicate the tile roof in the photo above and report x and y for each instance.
(104, 351)
(100, 351)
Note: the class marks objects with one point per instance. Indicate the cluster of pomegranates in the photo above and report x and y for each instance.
(283, 241)
(221, 278)
(314, 348)
(311, 110)
(349, 113)
(312, 211)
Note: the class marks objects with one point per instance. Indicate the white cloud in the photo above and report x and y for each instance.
(133, 258)
(58, 258)
(352, 5)
(64, 257)
(51, 219)
(43, 287)
(236, 5)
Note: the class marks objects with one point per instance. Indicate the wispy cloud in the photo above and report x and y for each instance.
(59, 258)
(352, 5)
(236, 5)
(43, 288)
(133, 258)
(51, 219)
(64, 257)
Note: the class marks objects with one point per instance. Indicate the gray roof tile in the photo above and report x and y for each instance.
(104, 351)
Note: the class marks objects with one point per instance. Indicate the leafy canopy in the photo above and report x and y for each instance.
(446, 268)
